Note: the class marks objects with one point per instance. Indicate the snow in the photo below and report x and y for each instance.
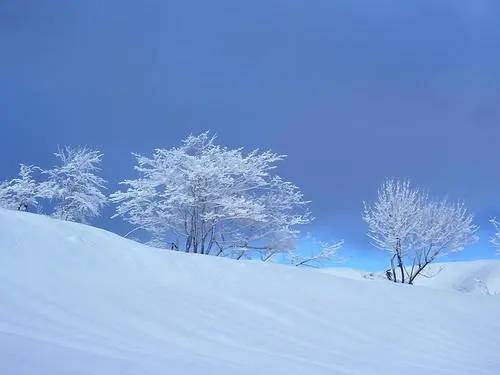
(479, 277)
(79, 300)
(476, 277)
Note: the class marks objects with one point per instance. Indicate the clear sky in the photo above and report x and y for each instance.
(353, 91)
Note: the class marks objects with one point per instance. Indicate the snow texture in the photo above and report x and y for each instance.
(79, 300)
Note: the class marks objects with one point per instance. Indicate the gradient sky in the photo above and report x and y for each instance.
(352, 91)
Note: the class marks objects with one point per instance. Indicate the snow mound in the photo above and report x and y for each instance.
(476, 277)
(79, 300)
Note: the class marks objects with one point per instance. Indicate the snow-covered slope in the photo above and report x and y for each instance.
(78, 300)
(477, 277)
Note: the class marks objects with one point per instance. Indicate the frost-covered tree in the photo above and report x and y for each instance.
(415, 230)
(495, 240)
(392, 221)
(21, 193)
(4, 195)
(203, 198)
(74, 185)
(444, 228)
(312, 257)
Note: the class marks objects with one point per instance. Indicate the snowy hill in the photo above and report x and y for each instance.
(79, 300)
(476, 277)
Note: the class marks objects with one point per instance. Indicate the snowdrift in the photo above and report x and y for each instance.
(476, 277)
(79, 300)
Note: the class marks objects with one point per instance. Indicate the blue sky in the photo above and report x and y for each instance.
(352, 91)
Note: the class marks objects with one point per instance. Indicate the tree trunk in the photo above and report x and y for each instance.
(394, 276)
(400, 260)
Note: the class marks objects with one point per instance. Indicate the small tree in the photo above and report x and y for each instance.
(393, 220)
(74, 184)
(495, 240)
(414, 230)
(204, 198)
(314, 258)
(444, 228)
(4, 195)
(21, 193)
